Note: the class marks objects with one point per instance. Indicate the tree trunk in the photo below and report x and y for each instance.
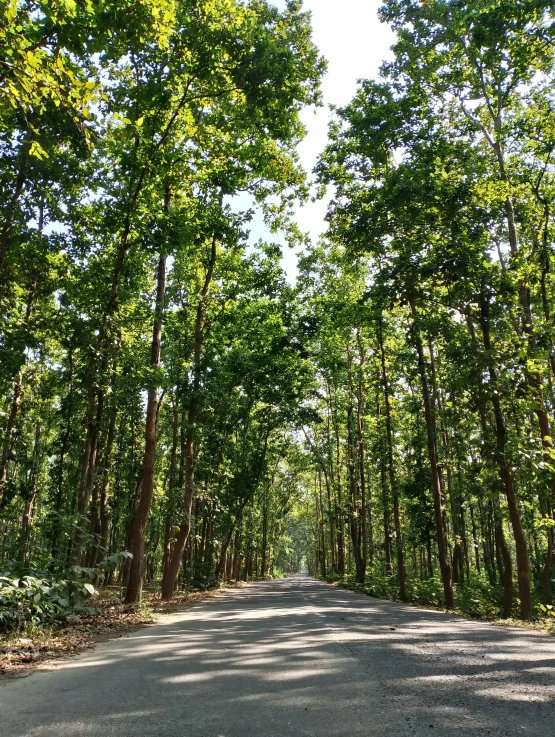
(546, 573)
(320, 501)
(138, 530)
(17, 390)
(340, 520)
(401, 570)
(264, 535)
(174, 562)
(523, 563)
(10, 433)
(366, 509)
(99, 516)
(432, 454)
(385, 495)
(30, 496)
(355, 528)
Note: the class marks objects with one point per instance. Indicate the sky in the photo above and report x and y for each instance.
(354, 42)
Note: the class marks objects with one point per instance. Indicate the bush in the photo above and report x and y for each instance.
(39, 598)
(381, 586)
(428, 591)
(476, 598)
(30, 600)
(479, 599)
(202, 583)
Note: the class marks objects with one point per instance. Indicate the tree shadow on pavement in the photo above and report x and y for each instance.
(297, 657)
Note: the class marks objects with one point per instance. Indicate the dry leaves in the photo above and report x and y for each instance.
(21, 652)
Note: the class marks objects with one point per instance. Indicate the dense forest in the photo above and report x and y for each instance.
(173, 411)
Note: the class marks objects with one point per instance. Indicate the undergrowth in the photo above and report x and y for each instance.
(476, 598)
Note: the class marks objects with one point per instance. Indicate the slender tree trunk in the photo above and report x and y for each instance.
(171, 487)
(10, 433)
(443, 435)
(99, 516)
(401, 570)
(174, 561)
(30, 496)
(546, 573)
(385, 494)
(340, 520)
(354, 516)
(138, 529)
(432, 454)
(264, 533)
(236, 566)
(505, 565)
(322, 528)
(17, 390)
(221, 566)
(523, 563)
(429, 557)
(333, 552)
(475, 540)
(365, 507)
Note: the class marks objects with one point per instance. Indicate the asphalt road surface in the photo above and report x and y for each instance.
(292, 658)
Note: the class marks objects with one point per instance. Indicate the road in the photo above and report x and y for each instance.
(293, 658)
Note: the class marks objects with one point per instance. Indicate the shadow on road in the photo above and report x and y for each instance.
(297, 657)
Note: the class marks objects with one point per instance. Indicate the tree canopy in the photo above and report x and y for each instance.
(171, 404)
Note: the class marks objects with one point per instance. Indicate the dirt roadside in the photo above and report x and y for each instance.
(44, 649)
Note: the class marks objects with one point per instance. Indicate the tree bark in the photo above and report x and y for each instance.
(354, 516)
(30, 496)
(401, 570)
(99, 512)
(366, 508)
(320, 501)
(137, 538)
(385, 494)
(432, 454)
(174, 561)
(523, 563)
(18, 388)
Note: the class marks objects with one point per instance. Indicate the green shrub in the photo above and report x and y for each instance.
(39, 598)
(30, 600)
(479, 599)
(476, 598)
(202, 583)
(427, 591)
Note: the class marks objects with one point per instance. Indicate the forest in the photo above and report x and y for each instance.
(174, 412)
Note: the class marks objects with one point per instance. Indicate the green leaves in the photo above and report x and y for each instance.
(41, 599)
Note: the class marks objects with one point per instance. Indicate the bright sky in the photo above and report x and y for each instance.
(350, 36)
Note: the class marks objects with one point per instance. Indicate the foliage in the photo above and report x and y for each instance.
(202, 583)
(164, 389)
(38, 599)
(477, 599)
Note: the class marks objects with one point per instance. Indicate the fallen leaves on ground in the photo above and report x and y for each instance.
(21, 652)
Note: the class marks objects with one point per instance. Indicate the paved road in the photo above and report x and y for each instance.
(296, 658)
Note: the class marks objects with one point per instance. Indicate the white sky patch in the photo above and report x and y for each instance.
(355, 43)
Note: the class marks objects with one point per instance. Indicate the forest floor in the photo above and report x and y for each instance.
(37, 647)
(296, 658)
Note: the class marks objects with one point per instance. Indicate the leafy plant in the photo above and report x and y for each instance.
(41, 598)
